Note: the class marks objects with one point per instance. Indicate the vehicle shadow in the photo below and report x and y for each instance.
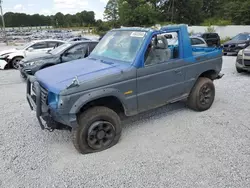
(60, 136)
(153, 114)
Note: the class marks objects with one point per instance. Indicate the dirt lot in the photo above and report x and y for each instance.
(168, 147)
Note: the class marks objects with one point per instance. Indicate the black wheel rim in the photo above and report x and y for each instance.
(16, 63)
(100, 135)
(205, 95)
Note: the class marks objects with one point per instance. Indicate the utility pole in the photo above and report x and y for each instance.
(172, 16)
(4, 31)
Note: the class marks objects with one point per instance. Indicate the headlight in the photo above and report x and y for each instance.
(33, 63)
(241, 45)
(53, 99)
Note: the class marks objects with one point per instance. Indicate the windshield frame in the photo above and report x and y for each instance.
(102, 57)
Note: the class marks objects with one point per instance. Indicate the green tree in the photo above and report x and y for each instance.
(136, 12)
(111, 11)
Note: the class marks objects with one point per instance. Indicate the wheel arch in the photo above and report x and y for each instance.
(211, 74)
(113, 100)
(12, 58)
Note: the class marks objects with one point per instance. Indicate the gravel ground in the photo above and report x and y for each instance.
(168, 147)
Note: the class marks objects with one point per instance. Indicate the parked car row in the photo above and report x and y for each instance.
(238, 45)
(12, 57)
(67, 52)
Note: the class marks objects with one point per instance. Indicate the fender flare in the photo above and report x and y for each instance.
(97, 94)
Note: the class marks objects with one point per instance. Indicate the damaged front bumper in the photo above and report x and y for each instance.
(37, 99)
(3, 64)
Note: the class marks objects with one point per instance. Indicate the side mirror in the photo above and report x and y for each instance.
(30, 49)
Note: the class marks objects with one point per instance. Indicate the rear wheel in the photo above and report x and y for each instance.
(202, 95)
(99, 129)
(15, 62)
(224, 53)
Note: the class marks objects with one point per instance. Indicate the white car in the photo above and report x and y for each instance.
(11, 57)
(198, 41)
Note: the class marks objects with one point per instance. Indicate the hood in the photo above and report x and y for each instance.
(7, 51)
(58, 77)
(236, 42)
(37, 57)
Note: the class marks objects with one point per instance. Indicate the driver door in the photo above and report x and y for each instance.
(76, 52)
(161, 79)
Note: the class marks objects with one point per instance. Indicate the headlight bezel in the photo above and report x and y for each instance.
(242, 45)
(31, 63)
(53, 99)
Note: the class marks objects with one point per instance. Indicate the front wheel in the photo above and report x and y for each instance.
(99, 129)
(15, 62)
(202, 95)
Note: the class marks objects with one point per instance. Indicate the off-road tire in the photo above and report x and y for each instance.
(194, 99)
(86, 120)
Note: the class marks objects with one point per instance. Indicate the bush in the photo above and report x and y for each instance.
(225, 40)
(210, 30)
(216, 21)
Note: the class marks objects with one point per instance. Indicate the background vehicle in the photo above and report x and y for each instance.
(131, 70)
(212, 39)
(198, 41)
(243, 60)
(64, 53)
(12, 57)
(237, 43)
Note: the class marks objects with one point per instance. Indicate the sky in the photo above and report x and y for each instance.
(48, 7)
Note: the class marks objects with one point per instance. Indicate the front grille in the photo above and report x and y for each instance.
(247, 53)
(229, 46)
(247, 62)
(44, 95)
(33, 88)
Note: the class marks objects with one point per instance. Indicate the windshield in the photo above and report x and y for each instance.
(242, 37)
(23, 47)
(60, 49)
(120, 45)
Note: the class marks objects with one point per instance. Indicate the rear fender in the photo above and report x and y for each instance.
(94, 95)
